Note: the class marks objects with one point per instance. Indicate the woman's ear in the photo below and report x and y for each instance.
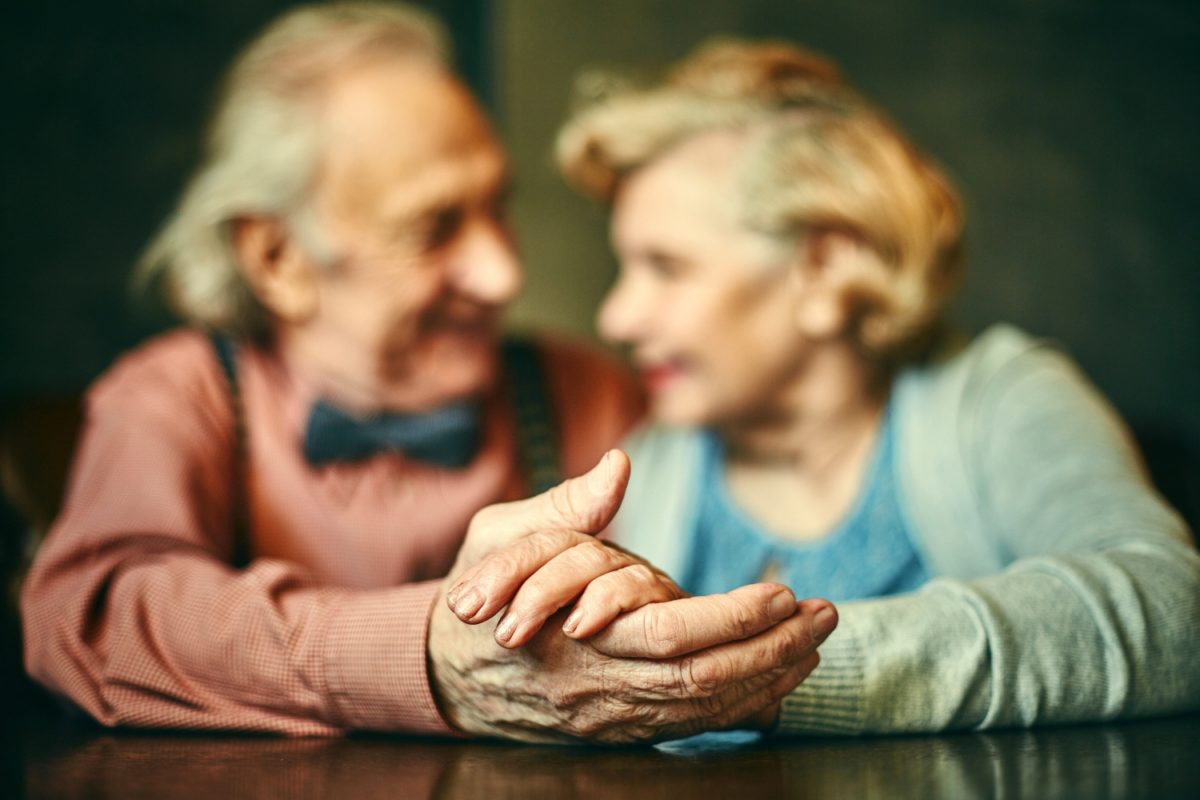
(822, 311)
(279, 273)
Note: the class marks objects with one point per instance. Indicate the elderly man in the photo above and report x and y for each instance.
(255, 534)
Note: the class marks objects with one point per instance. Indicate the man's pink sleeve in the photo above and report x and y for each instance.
(132, 611)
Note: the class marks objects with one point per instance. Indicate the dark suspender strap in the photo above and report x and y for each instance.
(537, 435)
(226, 351)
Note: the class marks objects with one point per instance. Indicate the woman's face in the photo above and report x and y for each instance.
(706, 305)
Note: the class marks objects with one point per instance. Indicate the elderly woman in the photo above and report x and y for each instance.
(977, 510)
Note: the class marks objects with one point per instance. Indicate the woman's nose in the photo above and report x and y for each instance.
(622, 312)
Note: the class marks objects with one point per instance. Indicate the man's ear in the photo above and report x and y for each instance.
(278, 271)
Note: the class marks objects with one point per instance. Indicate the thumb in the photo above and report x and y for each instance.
(585, 504)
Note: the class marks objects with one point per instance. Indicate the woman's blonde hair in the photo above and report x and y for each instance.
(263, 148)
(820, 158)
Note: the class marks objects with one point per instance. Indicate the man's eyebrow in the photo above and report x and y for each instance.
(417, 213)
(497, 190)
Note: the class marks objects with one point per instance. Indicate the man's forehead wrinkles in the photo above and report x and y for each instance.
(437, 187)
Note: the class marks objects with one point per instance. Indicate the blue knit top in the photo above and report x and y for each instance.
(868, 554)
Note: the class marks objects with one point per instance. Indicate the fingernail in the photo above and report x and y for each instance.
(601, 476)
(452, 595)
(505, 629)
(783, 605)
(572, 621)
(466, 605)
(825, 621)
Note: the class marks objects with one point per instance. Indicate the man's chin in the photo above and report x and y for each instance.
(440, 376)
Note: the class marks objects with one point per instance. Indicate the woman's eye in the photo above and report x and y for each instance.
(664, 267)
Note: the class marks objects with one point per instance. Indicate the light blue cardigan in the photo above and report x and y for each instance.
(1064, 588)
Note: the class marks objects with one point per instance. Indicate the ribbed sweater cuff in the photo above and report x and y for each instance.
(830, 699)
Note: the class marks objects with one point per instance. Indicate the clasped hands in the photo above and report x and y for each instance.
(634, 660)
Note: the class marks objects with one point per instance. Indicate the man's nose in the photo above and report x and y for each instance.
(485, 265)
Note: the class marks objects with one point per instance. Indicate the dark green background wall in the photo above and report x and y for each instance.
(1071, 127)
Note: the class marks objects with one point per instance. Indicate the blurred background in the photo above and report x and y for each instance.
(1070, 127)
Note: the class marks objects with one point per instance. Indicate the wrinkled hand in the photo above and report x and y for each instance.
(544, 554)
(668, 669)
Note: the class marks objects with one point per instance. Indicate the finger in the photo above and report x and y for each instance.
(745, 664)
(667, 630)
(562, 579)
(583, 505)
(717, 677)
(612, 594)
(482, 590)
(586, 504)
(759, 709)
(739, 706)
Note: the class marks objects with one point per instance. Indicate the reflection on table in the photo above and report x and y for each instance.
(1153, 758)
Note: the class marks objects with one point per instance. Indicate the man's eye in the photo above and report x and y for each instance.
(444, 227)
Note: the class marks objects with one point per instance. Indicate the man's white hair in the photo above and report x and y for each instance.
(263, 148)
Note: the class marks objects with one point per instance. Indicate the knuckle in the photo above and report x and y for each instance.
(603, 594)
(784, 648)
(705, 676)
(565, 695)
(786, 641)
(727, 716)
(501, 568)
(596, 555)
(657, 680)
(550, 544)
(483, 519)
(642, 574)
(742, 618)
(635, 681)
(665, 631)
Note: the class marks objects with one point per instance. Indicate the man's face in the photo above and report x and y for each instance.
(409, 199)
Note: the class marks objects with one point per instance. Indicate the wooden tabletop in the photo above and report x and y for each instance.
(50, 756)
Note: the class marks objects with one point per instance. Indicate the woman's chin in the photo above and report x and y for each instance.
(679, 412)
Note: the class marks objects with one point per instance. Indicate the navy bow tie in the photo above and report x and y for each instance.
(447, 436)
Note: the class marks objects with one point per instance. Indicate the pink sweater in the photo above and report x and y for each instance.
(133, 611)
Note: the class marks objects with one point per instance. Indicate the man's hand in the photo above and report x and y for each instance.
(557, 689)
(543, 554)
(670, 668)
